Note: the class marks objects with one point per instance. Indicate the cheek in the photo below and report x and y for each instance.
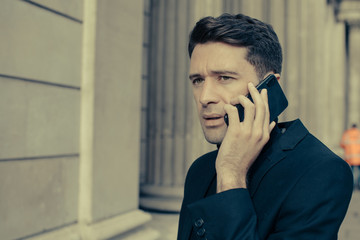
(238, 89)
(195, 95)
(229, 93)
(196, 100)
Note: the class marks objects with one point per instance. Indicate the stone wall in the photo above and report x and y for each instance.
(70, 98)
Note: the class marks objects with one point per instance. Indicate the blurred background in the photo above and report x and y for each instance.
(97, 123)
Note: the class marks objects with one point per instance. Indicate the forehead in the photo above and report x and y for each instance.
(217, 55)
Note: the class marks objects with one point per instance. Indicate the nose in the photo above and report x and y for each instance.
(208, 94)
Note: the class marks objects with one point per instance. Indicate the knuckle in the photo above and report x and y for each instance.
(242, 98)
(246, 133)
(265, 138)
(230, 109)
(233, 110)
(258, 135)
(250, 106)
(262, 105)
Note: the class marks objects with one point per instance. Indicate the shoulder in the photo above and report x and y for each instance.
(315, 152)
(305, 151)
(300, 143)
(311, 170)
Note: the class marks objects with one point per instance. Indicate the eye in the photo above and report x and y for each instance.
(197, 81)
(224, 78)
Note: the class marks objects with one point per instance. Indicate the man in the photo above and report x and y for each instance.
(266, 180)
(350, 142)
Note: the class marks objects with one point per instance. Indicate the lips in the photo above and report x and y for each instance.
(212, 116)
(213, 120)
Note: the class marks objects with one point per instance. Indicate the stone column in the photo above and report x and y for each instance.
(349, 12)
(354, 74)
(253, 8)
(332, 73)
(110, 122)
(313, 67)
(167, 112)
(276, 18)
(173, 135)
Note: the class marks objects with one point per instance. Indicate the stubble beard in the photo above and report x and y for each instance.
(214, 135)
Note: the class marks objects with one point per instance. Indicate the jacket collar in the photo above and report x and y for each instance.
(284, 137)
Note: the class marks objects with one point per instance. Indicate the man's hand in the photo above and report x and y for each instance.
(243, 141)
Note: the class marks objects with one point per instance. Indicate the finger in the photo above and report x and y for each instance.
(237, 100)
(232, 113)
(260, 109)
(272, 126)
(267, 132)
(267, 112)
(241, 100)
(249, 112)
(265, 98)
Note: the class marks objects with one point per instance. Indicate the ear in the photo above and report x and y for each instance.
(277, 77)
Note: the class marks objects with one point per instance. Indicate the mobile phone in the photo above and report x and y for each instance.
(276, 98)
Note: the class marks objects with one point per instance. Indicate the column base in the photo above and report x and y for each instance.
(125, 227)
(161, 198)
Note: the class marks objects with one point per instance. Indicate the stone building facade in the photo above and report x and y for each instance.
(96, 112)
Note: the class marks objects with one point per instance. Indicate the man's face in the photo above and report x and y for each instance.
(218, 72)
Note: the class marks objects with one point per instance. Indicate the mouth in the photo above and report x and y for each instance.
(213, 120)
(212, 116)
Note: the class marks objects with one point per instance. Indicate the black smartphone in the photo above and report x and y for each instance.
(276, 98)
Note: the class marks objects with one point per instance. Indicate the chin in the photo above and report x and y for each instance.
(213, 140)
(214, 136)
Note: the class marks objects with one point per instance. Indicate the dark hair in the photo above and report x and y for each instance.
(262, 43)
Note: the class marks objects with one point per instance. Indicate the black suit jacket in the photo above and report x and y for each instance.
(297, 189)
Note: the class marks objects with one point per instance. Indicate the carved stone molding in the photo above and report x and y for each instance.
(347, 11)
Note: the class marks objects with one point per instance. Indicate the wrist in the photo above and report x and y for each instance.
(230, 181)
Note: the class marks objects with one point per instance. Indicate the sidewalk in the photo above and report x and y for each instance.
(166, 224)
(350, 229)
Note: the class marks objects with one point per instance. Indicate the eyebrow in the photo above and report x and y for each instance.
(192, 76)
(218, 72)
(224, 72)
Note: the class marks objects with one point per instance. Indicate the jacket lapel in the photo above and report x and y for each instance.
(275, 151)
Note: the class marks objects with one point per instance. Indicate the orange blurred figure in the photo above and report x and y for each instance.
(350, 142)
